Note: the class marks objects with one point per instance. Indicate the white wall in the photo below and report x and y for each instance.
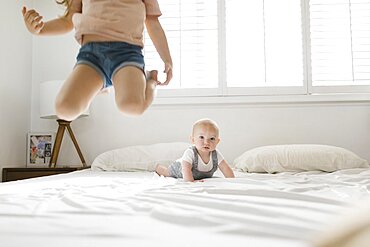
(242, 126)
(15, 84)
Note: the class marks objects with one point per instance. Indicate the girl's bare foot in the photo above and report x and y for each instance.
(152, 75)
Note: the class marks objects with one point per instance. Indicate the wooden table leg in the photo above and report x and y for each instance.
(58, 142)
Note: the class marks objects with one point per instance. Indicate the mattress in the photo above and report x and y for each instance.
(91, 208)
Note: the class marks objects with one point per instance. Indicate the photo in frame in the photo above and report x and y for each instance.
(39, 148)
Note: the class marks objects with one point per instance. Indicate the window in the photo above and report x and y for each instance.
(264, 47)
(191, 28)
(340, 43)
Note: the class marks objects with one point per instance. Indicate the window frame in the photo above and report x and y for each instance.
(265, 94)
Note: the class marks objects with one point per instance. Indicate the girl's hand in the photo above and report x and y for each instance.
(33, 20)
(168, 71)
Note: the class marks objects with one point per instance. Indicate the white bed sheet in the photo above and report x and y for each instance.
(88, 208)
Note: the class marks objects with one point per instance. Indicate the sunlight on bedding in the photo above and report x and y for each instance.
(141, 208)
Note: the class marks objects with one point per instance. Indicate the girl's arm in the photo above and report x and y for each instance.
(187, 174)
(157, 35)
(226, 169)
(36, 26)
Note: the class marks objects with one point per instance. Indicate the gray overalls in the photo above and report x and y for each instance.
(175, 168)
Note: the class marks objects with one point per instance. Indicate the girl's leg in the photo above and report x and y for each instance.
(133, 92)
(77, 92)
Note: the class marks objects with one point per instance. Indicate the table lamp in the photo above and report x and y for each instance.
(48, 93)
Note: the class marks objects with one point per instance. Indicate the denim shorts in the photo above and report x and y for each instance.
(108, 57)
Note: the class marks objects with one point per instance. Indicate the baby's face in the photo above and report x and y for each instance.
(205, 138)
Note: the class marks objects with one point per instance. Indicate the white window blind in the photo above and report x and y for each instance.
(265, 47)
(340, 42)
(191, 28)
(264, 43)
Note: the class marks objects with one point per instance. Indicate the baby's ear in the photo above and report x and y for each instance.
(191, 138)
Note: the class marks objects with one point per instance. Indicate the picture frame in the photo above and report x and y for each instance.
(39, 148)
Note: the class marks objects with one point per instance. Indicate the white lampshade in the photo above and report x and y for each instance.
(48, 94)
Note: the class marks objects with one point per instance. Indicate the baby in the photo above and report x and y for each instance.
(200, 160)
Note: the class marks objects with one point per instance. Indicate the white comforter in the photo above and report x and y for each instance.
(87, 208)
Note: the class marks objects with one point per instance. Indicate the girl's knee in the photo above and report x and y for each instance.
(134, 108)
(66, 111)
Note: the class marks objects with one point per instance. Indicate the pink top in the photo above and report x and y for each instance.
(116, 20)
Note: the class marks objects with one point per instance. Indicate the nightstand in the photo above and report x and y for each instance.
(12, 174)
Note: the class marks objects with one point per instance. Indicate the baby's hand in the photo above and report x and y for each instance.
(33, 20)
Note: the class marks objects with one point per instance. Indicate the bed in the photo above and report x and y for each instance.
(139, 208)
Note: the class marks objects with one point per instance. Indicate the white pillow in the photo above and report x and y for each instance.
(298, 157)
(139, 158)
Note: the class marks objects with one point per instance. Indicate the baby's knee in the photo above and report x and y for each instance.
(162, 170)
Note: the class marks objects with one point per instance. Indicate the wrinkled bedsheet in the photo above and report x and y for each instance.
(89, 208)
